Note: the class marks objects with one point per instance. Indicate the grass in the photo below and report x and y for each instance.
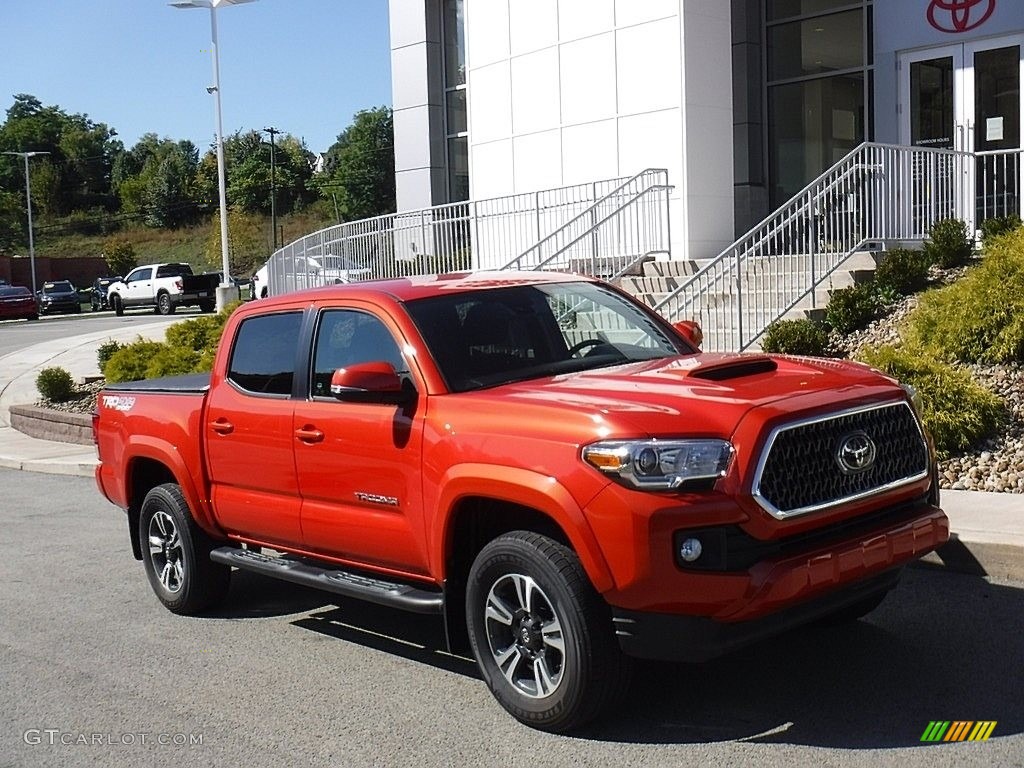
(187, 244)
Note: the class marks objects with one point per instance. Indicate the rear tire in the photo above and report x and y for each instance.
(176, 554)
(164, 305)
(542, 636)
(207, 306)
(118, 305)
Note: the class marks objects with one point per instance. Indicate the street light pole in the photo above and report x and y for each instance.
(28, 202)
(273, 190)
(224, 291)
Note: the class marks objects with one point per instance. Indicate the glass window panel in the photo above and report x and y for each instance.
(263, 358)
(816, 46)
(997, 99)
(458, 169)
(785, 9)
(454, 43)
(348, 337)
(931, 103)
(813, 124)
(456, 111)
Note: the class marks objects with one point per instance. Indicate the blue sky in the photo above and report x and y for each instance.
(303, 66)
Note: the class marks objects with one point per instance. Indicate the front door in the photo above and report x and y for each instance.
(358, 463)
(967, 97)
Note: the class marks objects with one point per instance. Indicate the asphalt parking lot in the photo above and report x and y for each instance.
(288, 675)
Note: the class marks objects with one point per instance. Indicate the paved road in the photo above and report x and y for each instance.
(289, 676)
(18, 334)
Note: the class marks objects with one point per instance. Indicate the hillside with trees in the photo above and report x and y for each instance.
(158, 200)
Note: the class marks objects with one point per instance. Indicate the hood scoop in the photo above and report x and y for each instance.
(733, 368)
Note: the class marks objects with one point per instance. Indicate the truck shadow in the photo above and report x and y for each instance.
(942, 647)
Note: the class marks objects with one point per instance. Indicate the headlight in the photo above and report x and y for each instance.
(660, 465)
(915, 398)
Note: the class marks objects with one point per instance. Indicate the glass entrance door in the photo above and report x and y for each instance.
(967, 97)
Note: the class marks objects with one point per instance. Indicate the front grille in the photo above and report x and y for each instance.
(801, 472)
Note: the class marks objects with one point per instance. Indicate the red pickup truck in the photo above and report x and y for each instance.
(555, 470)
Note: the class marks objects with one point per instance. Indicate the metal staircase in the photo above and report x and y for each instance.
(826, 235)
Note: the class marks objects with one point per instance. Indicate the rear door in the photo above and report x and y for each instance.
(248, 432)
(359, 464)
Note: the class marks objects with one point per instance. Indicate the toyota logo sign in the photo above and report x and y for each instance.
(959, 15)
(855, 453)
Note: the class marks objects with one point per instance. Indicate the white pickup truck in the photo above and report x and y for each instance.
(164, 287)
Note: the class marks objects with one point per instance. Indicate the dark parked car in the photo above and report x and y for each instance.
(16, 302)
(59, 296)
(99, 292)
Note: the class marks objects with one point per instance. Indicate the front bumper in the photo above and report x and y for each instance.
(788, 590)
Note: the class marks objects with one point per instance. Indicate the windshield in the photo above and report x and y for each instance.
(490, 337)
(8, 290)
(63, 287)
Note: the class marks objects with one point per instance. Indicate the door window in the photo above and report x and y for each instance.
(142, 273)
(347, 337)
(263, 358)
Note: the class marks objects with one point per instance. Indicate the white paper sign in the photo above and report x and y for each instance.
(994, 129)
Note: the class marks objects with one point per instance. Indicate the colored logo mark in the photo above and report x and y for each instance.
(958, 730)
(957, 14)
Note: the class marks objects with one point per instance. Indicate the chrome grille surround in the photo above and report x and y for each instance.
(801, 454)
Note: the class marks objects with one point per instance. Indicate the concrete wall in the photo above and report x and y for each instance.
(569, 91)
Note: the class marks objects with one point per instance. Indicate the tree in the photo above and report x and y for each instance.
(120, 256)
(248, 247)
(360, 166)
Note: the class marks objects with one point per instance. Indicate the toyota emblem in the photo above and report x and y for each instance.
(855, 453)
(959, 15)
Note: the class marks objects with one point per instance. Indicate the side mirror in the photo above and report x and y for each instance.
(691, 331)
(375, 380)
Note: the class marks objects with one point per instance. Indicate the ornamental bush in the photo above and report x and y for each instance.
(949, 244)
(902, 272)
(850, 309)
(795, 337)
(957, 411)
(55, 384)
(998, 225)
(130, 362)
(979, 318)
(105, 351)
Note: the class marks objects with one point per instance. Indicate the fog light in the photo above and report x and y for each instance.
(690, 550)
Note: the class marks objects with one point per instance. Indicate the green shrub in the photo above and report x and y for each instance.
(795, 337)
(105, 351)
(949, 244)
(131, 362)
(172, 361)
(902, 272)
(195, 334)
(979, 318)
(55, 384)
(956, 410)
(999, 225)
(851, 308)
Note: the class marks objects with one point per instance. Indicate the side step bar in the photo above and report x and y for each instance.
(372, 589)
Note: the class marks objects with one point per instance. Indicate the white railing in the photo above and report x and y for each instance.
(876, 193)
(477, 234)
(621, 229)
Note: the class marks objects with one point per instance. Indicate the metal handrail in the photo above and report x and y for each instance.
(876, 193)
(661, 176)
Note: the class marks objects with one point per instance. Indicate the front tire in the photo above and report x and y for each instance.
(176, 554)
(541, 635)
(118, 305)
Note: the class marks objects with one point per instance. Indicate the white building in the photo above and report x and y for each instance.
(743, 101)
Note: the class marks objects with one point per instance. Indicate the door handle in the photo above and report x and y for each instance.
(222, 427)
(309, 435)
